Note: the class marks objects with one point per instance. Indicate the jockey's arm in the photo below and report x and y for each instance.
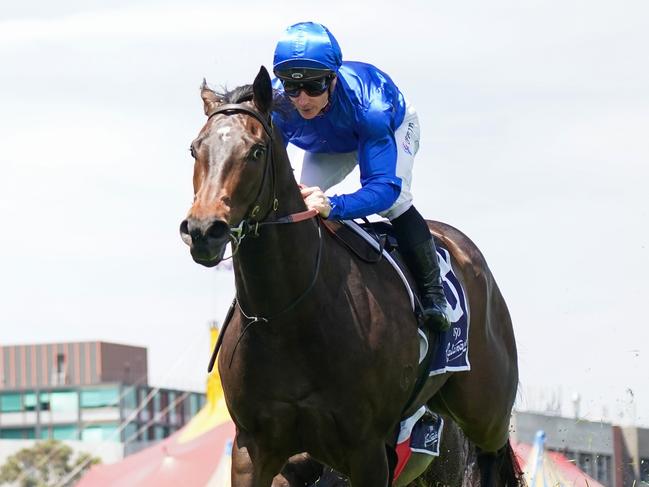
(377, 158)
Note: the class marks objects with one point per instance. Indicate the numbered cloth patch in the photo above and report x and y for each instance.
(452, 354)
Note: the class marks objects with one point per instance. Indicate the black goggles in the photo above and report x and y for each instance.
(313, 87)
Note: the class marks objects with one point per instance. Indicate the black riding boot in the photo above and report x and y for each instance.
(422, 261)
(417, 247)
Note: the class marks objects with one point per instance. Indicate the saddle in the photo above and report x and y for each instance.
(372, 242)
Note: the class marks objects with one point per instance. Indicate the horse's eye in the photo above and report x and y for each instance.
(191, 151)
(257, 152)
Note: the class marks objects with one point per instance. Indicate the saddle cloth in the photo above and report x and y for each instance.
(419, 434)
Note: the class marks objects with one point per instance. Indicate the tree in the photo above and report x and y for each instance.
(45, 464)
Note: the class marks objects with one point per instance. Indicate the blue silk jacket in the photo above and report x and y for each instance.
(365, 109)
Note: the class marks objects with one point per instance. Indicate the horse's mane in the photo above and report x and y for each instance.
(237, 95)
(281, 104)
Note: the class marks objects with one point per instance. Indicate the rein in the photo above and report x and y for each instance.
(251, 226)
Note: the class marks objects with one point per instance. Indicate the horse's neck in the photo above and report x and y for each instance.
(272, 269)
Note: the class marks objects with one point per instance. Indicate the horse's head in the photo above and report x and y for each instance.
(233, 168)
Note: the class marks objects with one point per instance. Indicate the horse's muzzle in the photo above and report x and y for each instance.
(206, 239)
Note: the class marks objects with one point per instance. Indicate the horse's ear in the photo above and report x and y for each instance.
(262, 91)
(210, 99)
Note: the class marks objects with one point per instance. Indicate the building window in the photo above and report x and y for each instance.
(68, 432)
(45, 401)
(18, 434)
(164, 406)
(156, 403)
(100, 432)
(145, 413)
(11, 403)
(59, 377)
(64, 401)
(99, 398)
(160, 432)
(173, 417)
(193, 404)
(644, 470)
(130, 398)
(29, 401)
(586, 464)
(157, 417)
(130, 433)
(603, 465)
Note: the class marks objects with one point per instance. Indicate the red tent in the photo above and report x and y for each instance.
(203, 461)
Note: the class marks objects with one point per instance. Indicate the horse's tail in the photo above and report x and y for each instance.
(500, 469)
(511, 473)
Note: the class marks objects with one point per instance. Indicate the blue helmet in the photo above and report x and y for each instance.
(306, 50)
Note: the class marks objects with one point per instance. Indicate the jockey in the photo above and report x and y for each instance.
(349, 113)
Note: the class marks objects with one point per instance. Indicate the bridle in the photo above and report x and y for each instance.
(251, 224)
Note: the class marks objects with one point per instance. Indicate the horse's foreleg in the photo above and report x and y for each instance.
(369, 467)
(251, 465)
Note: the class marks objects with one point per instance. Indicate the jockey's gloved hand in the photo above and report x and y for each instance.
(314, 198)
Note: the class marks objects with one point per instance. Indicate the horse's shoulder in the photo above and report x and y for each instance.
(464, 252)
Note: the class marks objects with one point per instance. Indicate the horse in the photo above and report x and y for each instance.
(320, 350)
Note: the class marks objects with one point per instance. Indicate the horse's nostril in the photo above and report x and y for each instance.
(184, 228)
(184, 232)
(217, 230)
(201, 232)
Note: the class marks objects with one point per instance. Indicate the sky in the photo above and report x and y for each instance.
(534, 121)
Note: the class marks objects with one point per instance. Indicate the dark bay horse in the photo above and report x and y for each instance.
(321, 352)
